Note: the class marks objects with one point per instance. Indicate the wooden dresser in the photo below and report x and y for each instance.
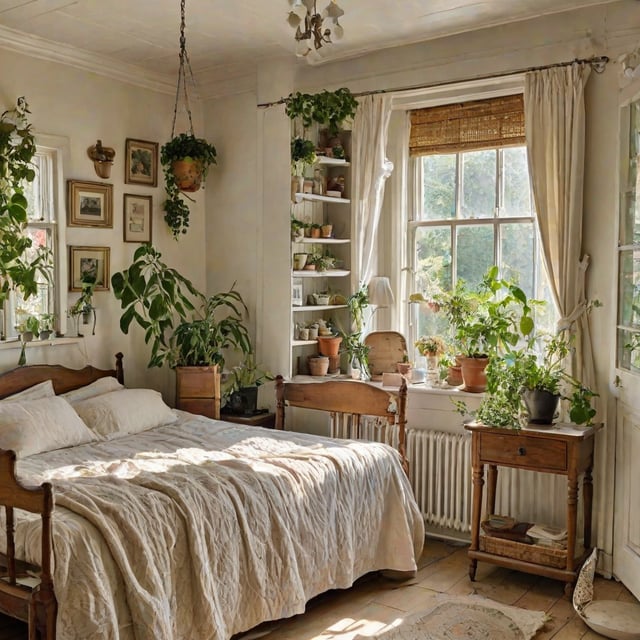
(562, 449)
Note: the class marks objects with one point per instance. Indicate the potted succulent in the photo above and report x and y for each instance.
(21, 262)
(185, 162)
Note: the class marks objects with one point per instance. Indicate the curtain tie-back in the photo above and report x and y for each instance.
(581, 307)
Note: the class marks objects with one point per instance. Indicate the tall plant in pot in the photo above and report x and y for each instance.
(22, 263)
(185, 162)
(184, 327)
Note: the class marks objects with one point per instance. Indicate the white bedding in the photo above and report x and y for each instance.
(159, 537)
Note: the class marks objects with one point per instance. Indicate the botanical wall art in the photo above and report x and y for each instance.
(137, 218)
(89, 204)
(89, 264)
(141, 162)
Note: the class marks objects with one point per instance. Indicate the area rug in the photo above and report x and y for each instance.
(466, 618)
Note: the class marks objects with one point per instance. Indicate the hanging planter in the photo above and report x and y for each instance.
(185, 159)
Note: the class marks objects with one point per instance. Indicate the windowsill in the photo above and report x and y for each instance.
(14, 343)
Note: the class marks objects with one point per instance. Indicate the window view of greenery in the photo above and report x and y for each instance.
(477, 211)
(629, 252)
(39, 194)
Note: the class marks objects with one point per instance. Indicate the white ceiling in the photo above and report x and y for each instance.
(225, 39)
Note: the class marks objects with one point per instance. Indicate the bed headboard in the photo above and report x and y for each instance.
(63, 379)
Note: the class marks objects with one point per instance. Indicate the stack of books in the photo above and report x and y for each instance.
(548, 536)
(507, 528)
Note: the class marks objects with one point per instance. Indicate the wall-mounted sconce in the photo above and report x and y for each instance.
(102, 158)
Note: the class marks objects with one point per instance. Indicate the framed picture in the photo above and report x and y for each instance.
(89, 261)
(141, 162)
(90, 204)
(137, 218)
(296, 295)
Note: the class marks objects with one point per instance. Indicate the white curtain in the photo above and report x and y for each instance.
(554, 125)
(371, 169)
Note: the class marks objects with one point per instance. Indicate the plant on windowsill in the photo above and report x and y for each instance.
(185, 162)
(22, 264)
(47, 321)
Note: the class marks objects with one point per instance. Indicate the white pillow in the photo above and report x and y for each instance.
(36, 392)
(100, 386)
(119, 413)
(41, 425)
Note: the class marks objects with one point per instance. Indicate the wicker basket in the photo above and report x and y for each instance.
(547, 556)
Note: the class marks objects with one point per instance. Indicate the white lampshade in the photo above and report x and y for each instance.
(380, 292)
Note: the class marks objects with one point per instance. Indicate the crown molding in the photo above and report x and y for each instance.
(36, 47)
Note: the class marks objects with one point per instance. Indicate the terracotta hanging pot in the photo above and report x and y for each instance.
(188, 174)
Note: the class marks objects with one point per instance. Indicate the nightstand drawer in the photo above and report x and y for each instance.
(523, 451)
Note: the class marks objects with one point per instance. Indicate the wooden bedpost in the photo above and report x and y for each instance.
(279, 402)
(119, 368)
(402, 421)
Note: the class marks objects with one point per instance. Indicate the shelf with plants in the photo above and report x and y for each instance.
(330, 273)
(320, 206)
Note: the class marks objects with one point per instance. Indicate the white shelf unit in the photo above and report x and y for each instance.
(322, 209)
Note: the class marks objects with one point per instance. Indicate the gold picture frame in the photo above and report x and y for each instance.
(137, 217)
(89, 204)
(89, 260)
(141, 162)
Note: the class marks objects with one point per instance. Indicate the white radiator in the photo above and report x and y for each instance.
(440, 471)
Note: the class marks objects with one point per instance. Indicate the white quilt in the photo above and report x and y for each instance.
(202, 529)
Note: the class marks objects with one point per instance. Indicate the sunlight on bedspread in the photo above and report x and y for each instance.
(157, 536)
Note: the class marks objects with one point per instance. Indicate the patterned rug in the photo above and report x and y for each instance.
(466, 618)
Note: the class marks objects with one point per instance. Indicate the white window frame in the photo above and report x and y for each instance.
(58, 150)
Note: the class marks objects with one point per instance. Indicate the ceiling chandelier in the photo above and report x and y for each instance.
(311, 27)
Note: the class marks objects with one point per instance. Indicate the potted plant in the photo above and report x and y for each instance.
(21, 262)
(329, 108)
(303, 155)
(321, 261)
(297, 229)
(47, 321)
(83, 306)
(241, 386)
(185, 162)
(357, 355)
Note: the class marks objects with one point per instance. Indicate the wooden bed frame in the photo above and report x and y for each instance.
(35, 605)
(346, 400)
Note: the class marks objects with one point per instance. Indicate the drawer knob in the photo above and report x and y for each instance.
(522, 451)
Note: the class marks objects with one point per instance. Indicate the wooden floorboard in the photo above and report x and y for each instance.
(375, 601)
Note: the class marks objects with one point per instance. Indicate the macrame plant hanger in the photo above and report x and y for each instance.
(185, 65)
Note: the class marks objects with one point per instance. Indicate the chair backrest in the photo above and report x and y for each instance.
(346, 399)
(386, 348)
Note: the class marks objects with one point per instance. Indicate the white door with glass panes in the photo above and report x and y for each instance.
(626, 552)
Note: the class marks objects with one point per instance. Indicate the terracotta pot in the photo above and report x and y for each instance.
(334, 364)
(315, 232)
(188, 174)
(403, 368)
(473, 374)
(454, 376)
(318, 365)
(329, 345)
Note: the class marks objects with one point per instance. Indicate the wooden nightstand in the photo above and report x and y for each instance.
(267, 420)
(562, 449)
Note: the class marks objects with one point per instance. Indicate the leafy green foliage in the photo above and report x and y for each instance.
(180, 323)
(303, 154)
(329, 108)
(20, 262)
(183, 146)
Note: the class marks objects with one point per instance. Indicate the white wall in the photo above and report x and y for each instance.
(83, 107)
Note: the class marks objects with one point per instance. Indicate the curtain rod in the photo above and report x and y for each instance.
(598, 64)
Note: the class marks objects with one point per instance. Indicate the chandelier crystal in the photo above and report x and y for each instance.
(312, 30)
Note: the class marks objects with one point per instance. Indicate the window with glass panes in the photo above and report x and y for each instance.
(473, 209)
(42, 230)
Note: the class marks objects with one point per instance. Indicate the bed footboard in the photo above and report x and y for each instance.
(26, 592)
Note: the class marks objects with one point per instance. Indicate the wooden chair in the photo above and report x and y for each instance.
(386, 349)
(26, 591)
(347, 401)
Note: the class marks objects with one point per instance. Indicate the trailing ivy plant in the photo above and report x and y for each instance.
(184, 146)
(20, 261)
(330, 108)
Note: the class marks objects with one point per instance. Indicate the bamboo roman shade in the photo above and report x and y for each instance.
(480, 124)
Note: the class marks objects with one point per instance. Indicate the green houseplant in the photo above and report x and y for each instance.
(185, 162)
(330, 108)
(303, 155)
(21, 263)
(240, 389)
